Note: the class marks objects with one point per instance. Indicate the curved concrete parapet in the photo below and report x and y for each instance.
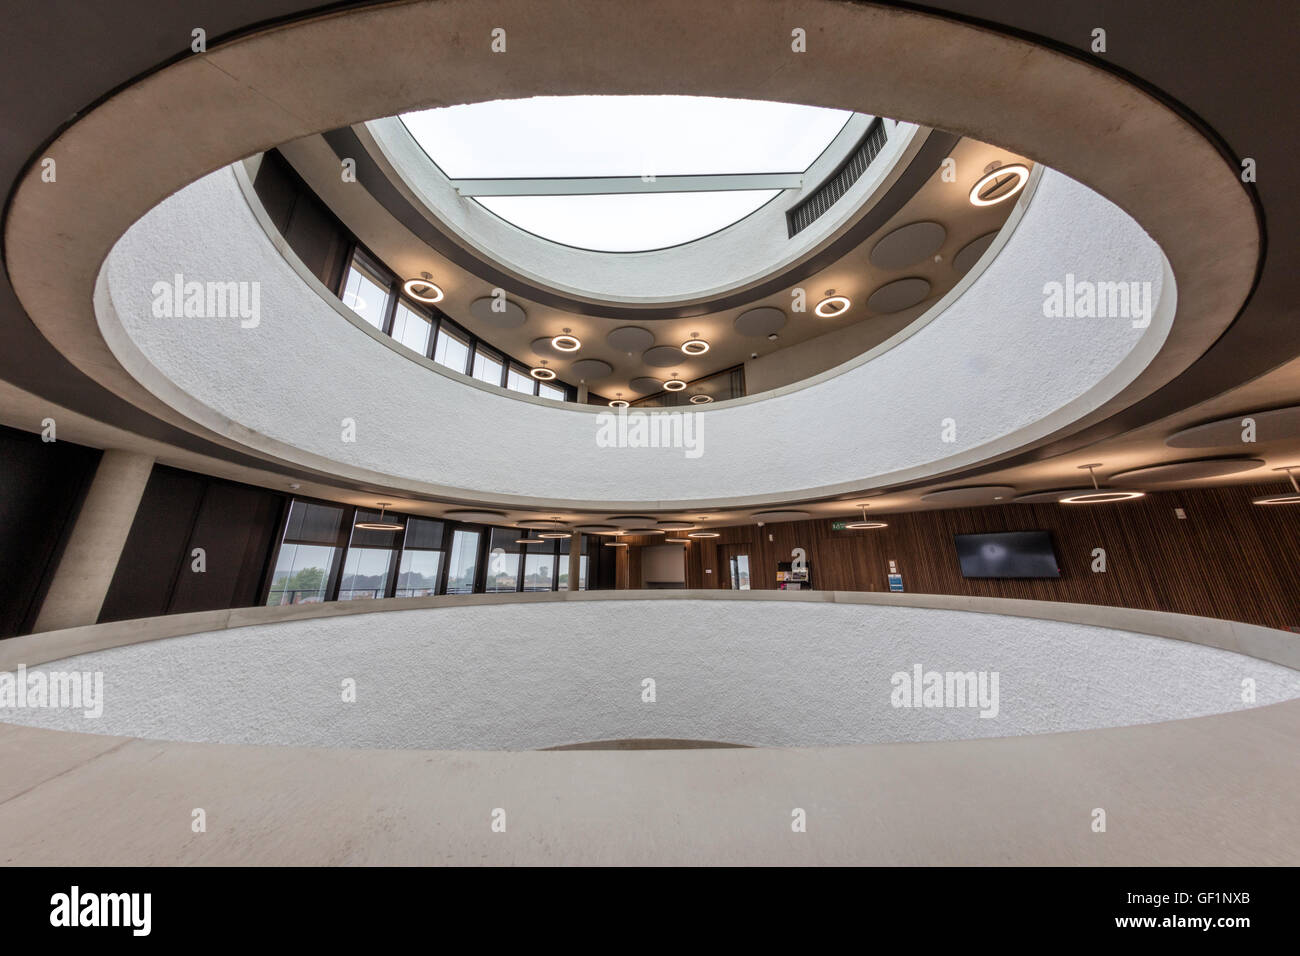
(760, 671)
(989, 372)
(1068, 114)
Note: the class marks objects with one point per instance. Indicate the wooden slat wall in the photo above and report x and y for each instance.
(1229, 559)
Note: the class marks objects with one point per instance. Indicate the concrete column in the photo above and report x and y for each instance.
(575, 560)
(582, 392)
(86, 569)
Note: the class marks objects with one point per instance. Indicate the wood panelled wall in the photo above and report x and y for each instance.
(1228, 559)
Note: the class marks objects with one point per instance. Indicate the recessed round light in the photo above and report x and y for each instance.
(864, 524)
(995, 186)
(833, 306)
(381, 524)
(427, 291)
(542, 373)
(696, 345)
(566, 342)
(701, 399)
(704, 534)
(1100, 496)
(1288, 498)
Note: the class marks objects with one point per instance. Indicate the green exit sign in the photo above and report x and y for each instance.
(838, 525)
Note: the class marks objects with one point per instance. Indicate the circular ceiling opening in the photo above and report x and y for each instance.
(624, 173)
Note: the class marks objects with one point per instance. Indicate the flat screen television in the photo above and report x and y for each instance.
(1010, 554)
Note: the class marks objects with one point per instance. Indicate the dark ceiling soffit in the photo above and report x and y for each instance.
(345, 144)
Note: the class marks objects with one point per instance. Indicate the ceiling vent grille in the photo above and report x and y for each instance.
(828, 193)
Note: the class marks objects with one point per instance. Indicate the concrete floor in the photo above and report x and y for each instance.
(1205, 791)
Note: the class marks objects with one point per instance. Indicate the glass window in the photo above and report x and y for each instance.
(539, 566)
(740, 572)
(550, 391)
(487, 367)
(503, 561)
(307, 554)
(417, 576)
(463, 563)
(366, 293)
(452, 350)
(411, 329)
(520, 381)
(371, 558)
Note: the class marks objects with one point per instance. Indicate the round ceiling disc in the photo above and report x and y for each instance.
(644, 522)
(644, 385)
(478, 516)
(511, 317)
(760, 322)
(663, 356)
(972, 495)
(590, 369)
(908, 245)
(770, 516)
(1187, 470)
(1274, 425)
(970, 253)
(899, 295)
(542, 524)
(1044, 497)
(630, 339)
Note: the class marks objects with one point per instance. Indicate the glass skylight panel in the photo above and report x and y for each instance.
(627, 223)
(623, 136)
(627, 136)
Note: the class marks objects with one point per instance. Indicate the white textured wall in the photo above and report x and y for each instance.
(763, 673)
(991, 362)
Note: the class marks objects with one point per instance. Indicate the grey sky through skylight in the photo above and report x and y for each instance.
(578, 136)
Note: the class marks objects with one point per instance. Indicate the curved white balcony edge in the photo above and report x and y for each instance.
(760, 671)
(987, 374)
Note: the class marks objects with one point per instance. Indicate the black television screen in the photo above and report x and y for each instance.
(1011, 554)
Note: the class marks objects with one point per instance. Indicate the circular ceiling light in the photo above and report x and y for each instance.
(616, 544)
(381, 524)
(555, 534)
(542, 373)
(864, 524)
(1099, 495)
(701, 399)
(674, 384)
(530, 540)
(704, 534)
(428, 292)
(566, 342)
(999, 184)
(1288, 498)
(833, 306)
(619, 402)
(696, 345)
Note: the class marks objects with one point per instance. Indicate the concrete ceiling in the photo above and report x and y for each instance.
(1219, 69)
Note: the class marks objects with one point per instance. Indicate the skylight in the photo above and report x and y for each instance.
(538, 163)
